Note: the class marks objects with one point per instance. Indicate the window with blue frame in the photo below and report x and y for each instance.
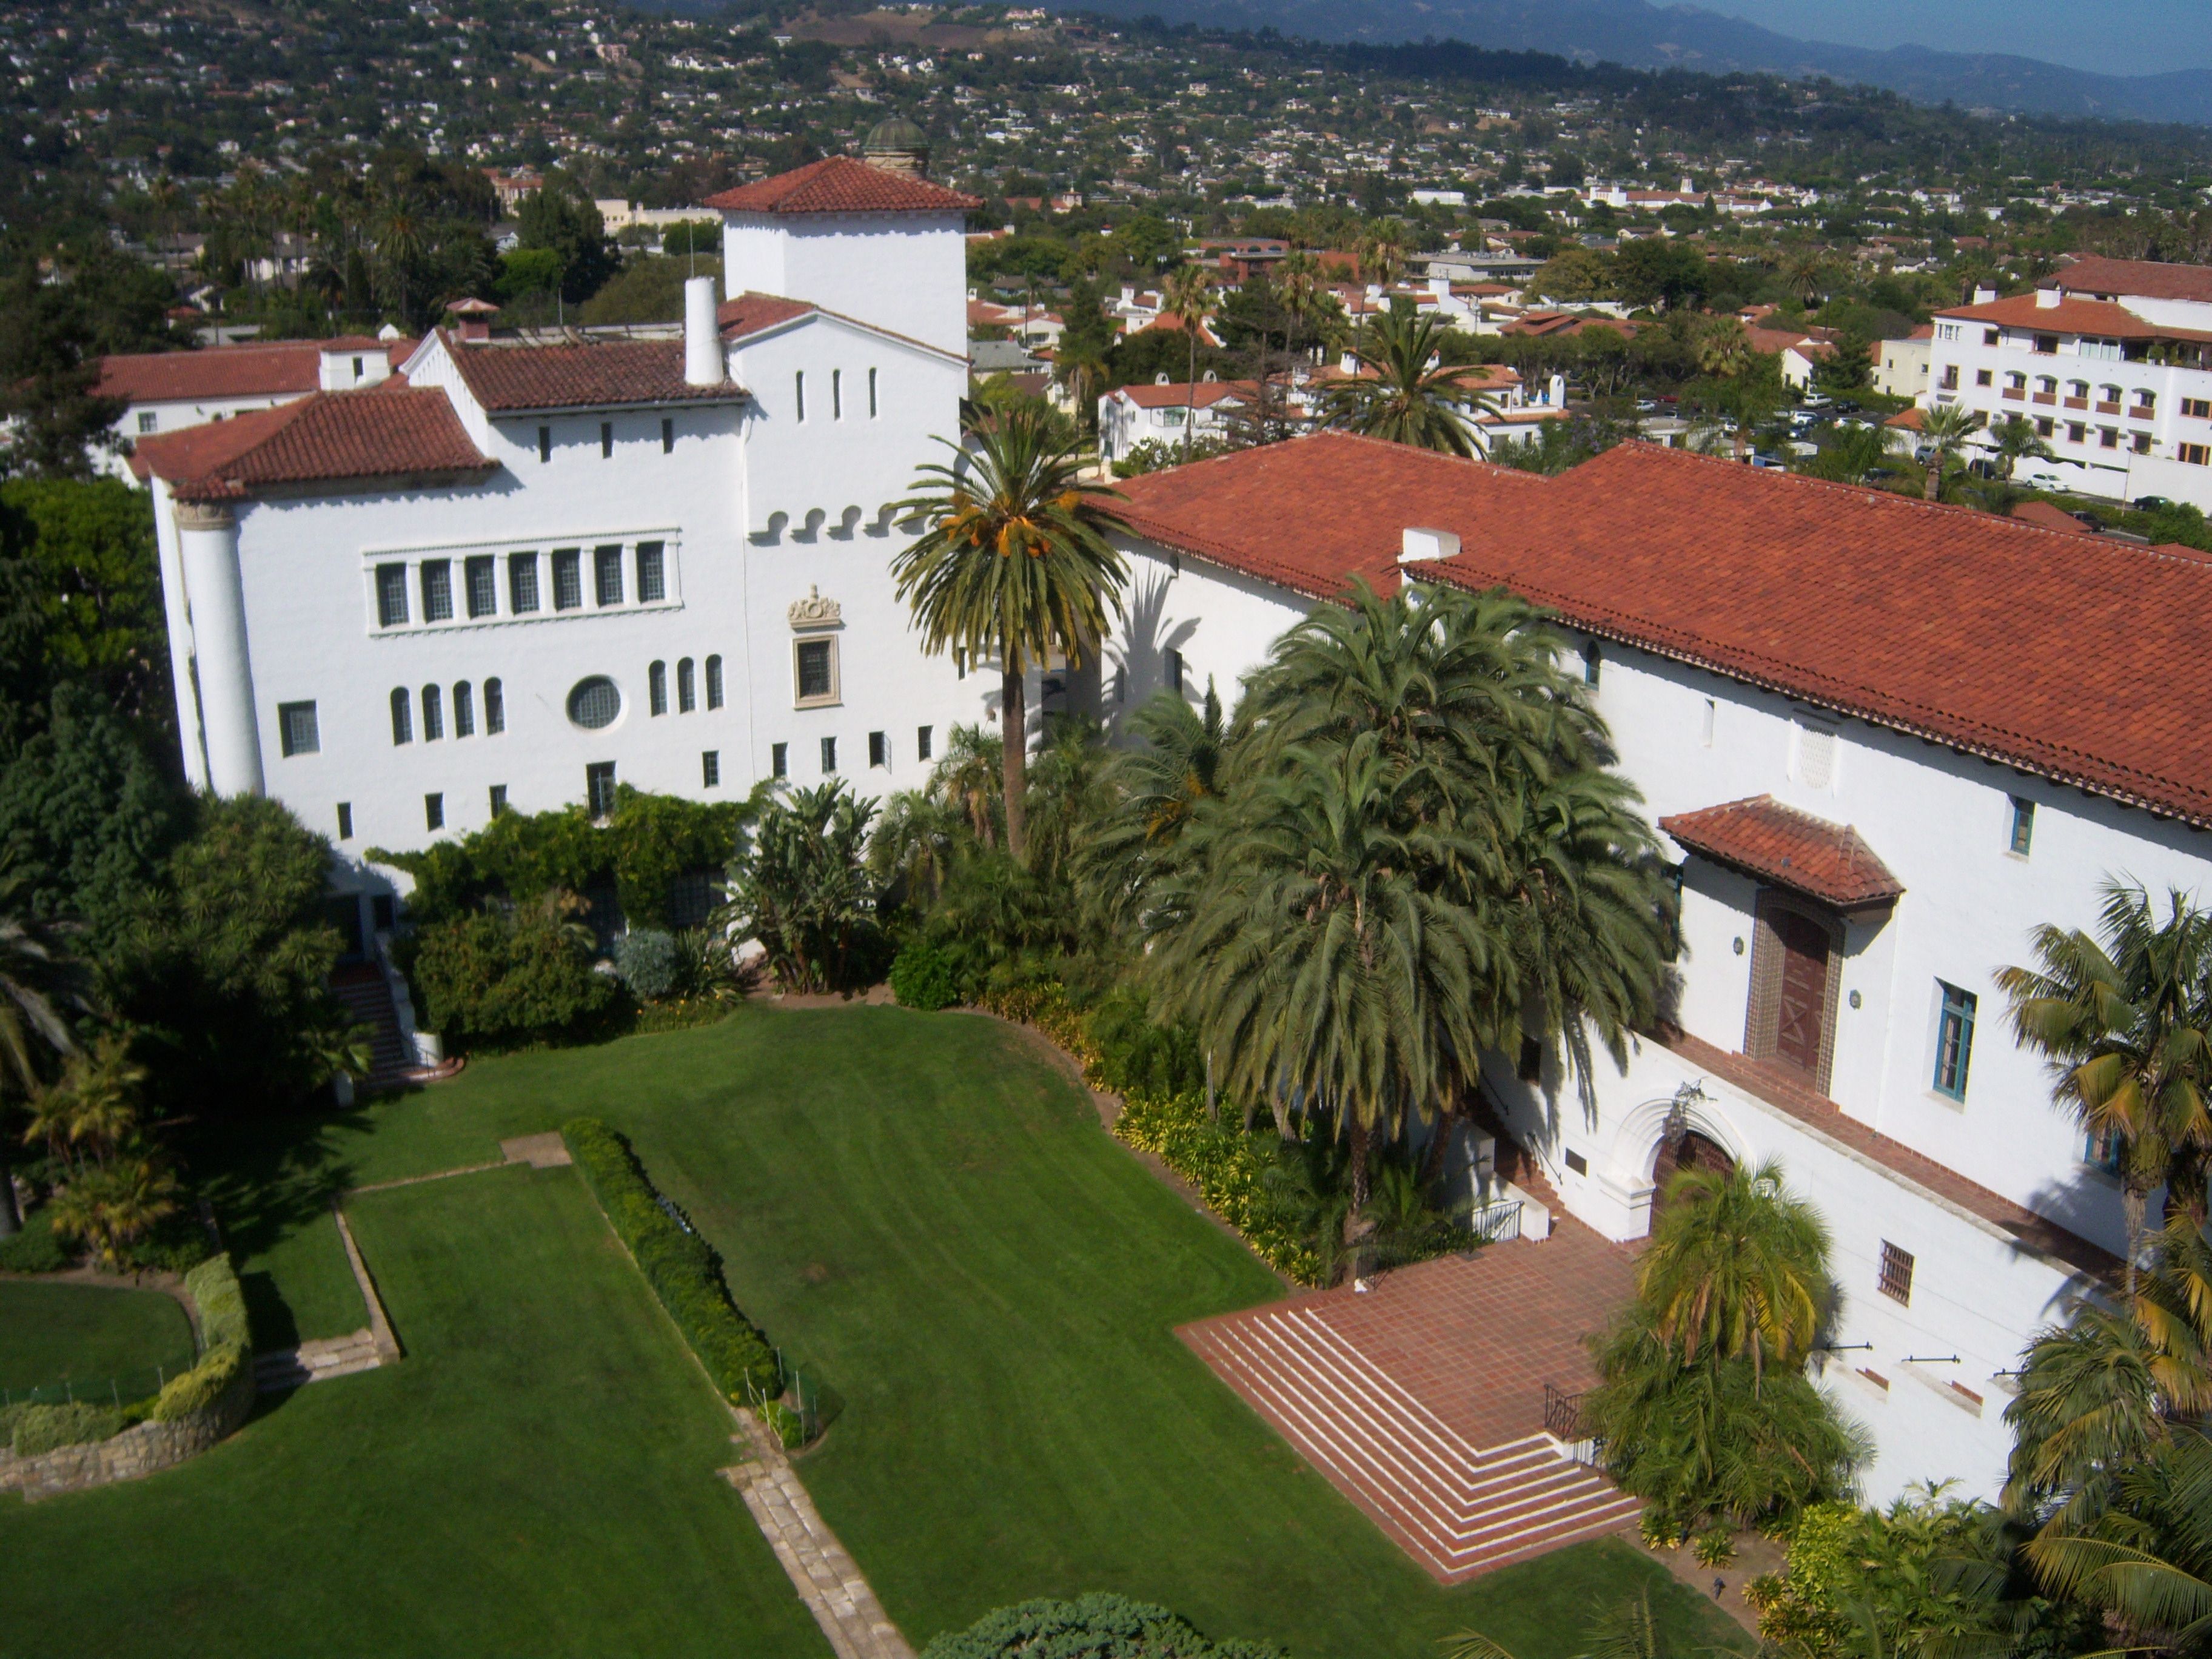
(2105, 1149)
(1954, 1041)
(2023, 826)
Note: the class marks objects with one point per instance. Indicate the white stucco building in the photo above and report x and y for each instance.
(1878, 762)
(2107, 359)
(518, 575)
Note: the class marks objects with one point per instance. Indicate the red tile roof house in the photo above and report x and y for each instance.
(1878, 758)
(163, 391)
(521, 574)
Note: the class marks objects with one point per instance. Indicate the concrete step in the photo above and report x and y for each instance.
(315, 1362)
(1461, 1509)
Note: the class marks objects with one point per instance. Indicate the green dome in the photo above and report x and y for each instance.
(895, 134)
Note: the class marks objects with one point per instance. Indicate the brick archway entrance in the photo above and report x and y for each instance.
(1694, 1152)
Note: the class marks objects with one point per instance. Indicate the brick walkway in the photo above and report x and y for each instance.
(1422, 1400)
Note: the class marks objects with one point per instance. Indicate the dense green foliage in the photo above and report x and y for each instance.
(921, 978)
(505, 977)
(31, 1430)
(226, 1342)
(800, 886)
(1099, 1625)
(681, 1267)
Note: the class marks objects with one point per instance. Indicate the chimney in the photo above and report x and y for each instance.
(703, 364)
(2046, 299)
(1416, 545)
(1985, 295)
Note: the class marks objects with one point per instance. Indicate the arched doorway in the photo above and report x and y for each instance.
(1692, 1151)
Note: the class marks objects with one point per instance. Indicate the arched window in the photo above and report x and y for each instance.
(495, 707)
(464, 710)
(686, 691)
(713, 682)
(656, 687)
(403, 715)
(433, 714)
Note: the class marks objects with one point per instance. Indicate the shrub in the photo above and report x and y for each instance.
(921, 977)
(498, 979)
(646, 959)
(1714, 1548)
(225, 1340)
(1098, 1626)
(681, 1267)
(34, 1249)
(31, 1431)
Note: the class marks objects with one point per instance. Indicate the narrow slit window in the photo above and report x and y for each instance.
(651, 573)
(599, 788)
(345, 820)
(568, 579)
(433, 714)
(465, 709)
(391, 595)
(872, 394)
(437, 590)
(779, 760)
(799, 393)
(495, 707)
(710, 769)
(607, 576)
(403, 716)
(606, 439)
(498, 799)
(483, 581)
(2022, 836)
(879, 749)
(836, 394)
(687, 687)
(522, 583)
(713, 682)
(434, 811)
(828, 754)
(544, 445)
(921, 735)
(656, 687)
(667, 436)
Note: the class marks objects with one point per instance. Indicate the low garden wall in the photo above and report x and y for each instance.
(58, 1449)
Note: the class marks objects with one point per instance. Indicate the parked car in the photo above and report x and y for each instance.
(2151, 503)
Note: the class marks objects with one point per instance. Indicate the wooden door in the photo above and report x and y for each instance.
(1801, 1012)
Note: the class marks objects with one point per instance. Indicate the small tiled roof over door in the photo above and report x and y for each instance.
(1792, 849)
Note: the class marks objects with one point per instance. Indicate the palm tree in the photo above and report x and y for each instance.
(971, 781)
(1725, 355)
(1944, 431)
(1082, 371)
(2017, 440)
(800, 886)
(1013, 563)
(2125, 1024)
(2148, 1565)
(1188, 297)
(1738, 1265)
(1804, 274)
(1382, 254)
(92, 1111)
(1405, 394)
(40, 982)
(112, 1208)
(1158, 787)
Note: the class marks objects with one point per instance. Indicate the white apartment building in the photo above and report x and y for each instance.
(518, 575)
(1865, 729)
(2108, 359)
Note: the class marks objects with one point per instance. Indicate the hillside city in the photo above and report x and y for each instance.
(975, 831)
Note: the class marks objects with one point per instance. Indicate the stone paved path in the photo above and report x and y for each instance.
(827, 1579)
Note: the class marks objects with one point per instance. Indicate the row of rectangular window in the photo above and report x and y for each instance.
(606, 439)
(479, 589)
(879, 751)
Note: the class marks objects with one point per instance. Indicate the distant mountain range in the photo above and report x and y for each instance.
(1645, 36)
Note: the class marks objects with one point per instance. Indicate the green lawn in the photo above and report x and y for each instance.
(928, 1216)
(536, 1477)
(86, 1335)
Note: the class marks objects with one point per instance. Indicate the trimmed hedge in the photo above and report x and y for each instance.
(1221, 1160)
(921, 977)
(1099, 1625)
(33, 1430)
(682, 1268)
(34, 1249)
(226, 1342)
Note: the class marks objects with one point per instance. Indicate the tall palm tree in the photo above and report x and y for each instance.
(1804, 274)
(1188, 297)
(1081, 370)
(1382, 253)
(2017, 440)
(2148, 1564)
(1012, 563)
(1159, 786)
(1944, 431)
(1405, 394)
(1739, 1266)
(1322, 955)
(2124, 1022)
(40, 983)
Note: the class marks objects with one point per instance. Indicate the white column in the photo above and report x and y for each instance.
(213, 587)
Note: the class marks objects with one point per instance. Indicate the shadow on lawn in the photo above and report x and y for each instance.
(268, 1176)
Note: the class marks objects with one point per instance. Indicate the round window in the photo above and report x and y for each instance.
(594, 702)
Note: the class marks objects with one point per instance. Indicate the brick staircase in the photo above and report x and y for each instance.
(316, 1362)
(1458, 1509)
(361, 988)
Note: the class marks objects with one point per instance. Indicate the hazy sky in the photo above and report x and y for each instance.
(2115, 37)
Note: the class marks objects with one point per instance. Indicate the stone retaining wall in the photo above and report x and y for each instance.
(135, 1452)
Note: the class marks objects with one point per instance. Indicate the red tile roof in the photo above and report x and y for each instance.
(1809, 856)
(2068, 316)
(2051, 517)
(751, 313)
(1939, 621)
(610, 374)
(384, 432)
(2145, 279)
(839, 184)
(279, 368)
(1181, 394)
